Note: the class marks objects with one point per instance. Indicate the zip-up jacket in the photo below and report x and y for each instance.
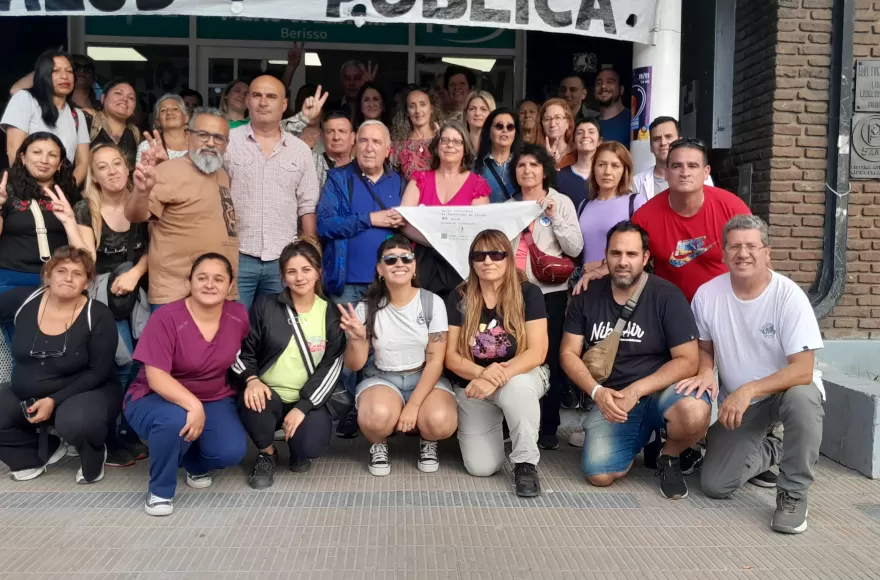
(270, 334)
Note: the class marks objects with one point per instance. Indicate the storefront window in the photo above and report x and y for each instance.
(494, 74)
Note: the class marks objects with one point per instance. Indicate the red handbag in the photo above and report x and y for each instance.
(553, 270)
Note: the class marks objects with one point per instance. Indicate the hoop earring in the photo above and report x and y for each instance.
(382, 278)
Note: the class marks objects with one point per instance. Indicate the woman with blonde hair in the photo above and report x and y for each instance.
(414, 127)
(496, 351)
(555, 131)
(168, 140)
(476, 110)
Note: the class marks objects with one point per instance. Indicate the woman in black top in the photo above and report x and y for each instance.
(112, 124)
(63, 376)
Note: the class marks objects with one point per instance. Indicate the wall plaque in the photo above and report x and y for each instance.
(867, 86)
(865, 156)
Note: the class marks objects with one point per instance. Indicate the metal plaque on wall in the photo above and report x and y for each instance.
(865, 157)
(867, 86)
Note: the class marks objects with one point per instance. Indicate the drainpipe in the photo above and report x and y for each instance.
(829, 286)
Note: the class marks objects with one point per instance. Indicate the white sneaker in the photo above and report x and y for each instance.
(158, 506)
(35, 472)
(199, 481)
(81, 479)
(380, 463)
(576, 439)
(429, 462)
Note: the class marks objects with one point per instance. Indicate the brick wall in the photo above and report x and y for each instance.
(781, 82)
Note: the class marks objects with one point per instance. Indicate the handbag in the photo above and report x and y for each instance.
(546, 268)
(341, 400)
(599, 358)
(122, 306)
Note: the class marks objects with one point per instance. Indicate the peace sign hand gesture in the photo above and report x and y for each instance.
(157, 147)
(312, 106)
(370, 72)
(4, 195)
(350, 323)
(60, 207)
(145, 174)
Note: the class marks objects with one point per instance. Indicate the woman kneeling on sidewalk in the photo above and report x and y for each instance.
(181, 403)
(402, 388)
(291, 362)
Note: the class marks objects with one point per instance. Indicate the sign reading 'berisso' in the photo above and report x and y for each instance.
(620, 19)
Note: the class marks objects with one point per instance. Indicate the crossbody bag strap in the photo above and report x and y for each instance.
(630, 306)
(369, 187)
(427, 300)
(129, 250)
(42, 237)
(632, 204)
(299, 338)
(497, 177)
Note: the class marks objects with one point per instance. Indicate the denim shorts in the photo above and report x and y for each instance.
(403, 382)
(611, 447)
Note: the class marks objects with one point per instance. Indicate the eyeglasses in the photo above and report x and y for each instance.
(451, 141)
(494, 255)
(391, 259)
(40, 354)
(557, 119)
(750, 248)
(204, 136)
(502, 127)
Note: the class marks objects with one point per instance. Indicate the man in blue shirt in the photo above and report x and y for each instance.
(614, 118)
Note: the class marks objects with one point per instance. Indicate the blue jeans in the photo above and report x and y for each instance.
(256, 278)
(222, 444)
(611, 447)
(351, 294)
(127, 372)
(10, 279)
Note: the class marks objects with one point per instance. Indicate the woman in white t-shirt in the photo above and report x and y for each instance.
(47, 107)
(402, 387)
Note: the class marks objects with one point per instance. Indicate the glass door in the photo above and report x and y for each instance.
(494, 74)
(218, 66)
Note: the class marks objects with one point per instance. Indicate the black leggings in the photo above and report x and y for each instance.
(82, 420)
(556, 303)
(312, 437)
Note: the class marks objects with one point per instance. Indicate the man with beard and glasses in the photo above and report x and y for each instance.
(614, 117)
(188, 203)
(657, 349)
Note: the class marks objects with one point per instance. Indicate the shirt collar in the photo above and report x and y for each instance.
(285, 136)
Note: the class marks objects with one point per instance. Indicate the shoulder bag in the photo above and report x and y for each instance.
(548, 269)
(599, 358)
(42, 237)
(122, 306)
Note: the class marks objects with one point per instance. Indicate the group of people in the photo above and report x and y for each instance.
(247, 286)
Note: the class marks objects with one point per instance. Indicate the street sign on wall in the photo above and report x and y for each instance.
(865, 151)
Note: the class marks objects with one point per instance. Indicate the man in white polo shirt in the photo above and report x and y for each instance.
(759, 327)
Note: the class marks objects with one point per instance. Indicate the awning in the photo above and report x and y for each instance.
(629, 20)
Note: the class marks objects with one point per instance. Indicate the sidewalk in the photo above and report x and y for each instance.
(339, 522)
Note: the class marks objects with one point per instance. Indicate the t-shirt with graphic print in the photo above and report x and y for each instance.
(493, 343)
(661, 321)
(288, 375)
(687, 250)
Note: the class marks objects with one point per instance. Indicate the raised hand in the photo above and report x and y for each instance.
(350, 323)
(60, 207)
(370, 72)
(550, 208)
(4, 194)
(312, 106)
(145, 174)
(157, 147)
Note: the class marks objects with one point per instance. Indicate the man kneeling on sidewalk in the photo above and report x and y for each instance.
(759, 328)
(657, 348)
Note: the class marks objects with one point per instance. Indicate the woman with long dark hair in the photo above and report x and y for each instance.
(415, 125)
(403, 388)
(47, 107)
(496, 350)
(498, 140)
(112, 124)
(280, 389)
(372, 105)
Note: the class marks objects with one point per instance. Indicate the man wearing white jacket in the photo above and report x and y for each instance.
(663, 131)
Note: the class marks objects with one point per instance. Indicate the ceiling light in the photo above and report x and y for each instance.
(480, 64)
(115, 53)
(312, 59)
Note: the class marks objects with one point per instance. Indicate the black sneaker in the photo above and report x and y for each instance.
(298, 465)
(119, 457)
(263, 475)
(766, 479)
(691, 460)
(348, 426)
(137, 449)
(672, 484)
(652, 450)
(525, 475)
(548, 441)
(570, 399)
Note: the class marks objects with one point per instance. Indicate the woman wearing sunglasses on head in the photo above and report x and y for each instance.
(496, 350)
(64, 372)
(498, 140)
(292, 359)
(403, 388)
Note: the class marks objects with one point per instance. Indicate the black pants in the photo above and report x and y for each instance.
(83, 420)
(312, 437)
(556, 303)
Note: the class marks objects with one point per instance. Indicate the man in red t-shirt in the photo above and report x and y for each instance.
(684, 223)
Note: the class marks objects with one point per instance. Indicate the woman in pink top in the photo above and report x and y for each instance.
(412, 132)
(450, 181)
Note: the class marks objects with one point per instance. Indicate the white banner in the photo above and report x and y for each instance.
(619, 19)
(450, 230)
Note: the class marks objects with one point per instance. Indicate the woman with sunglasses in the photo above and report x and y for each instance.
(415, 125)
(476, 110)
(499, 138)
(403, 388)
(64, 374)
(574, 180)
(556, 233)
(279, 388)
(496, 351)
(555, 130)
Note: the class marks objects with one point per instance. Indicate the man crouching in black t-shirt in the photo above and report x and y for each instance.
(658, 348)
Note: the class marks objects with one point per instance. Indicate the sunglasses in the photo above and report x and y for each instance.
(687, 142)
(391, 259)
(494, 255)
(502, 126)
(41, 354)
